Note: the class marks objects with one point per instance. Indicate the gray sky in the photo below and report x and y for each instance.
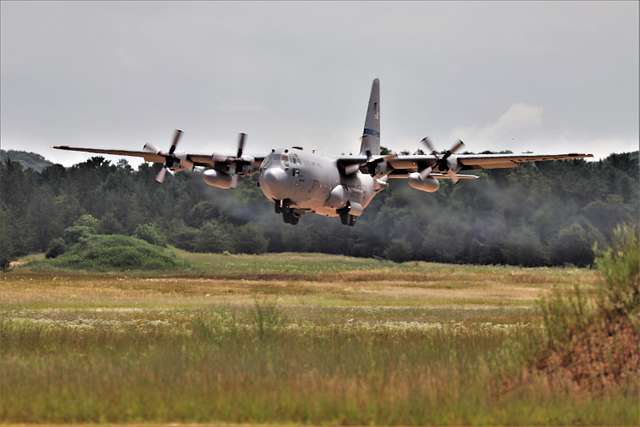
(547, 77)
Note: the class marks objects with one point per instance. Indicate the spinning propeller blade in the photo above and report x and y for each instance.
(442, 162)
(161, 175)
(241, 140)
(176, 139)
(150, 148)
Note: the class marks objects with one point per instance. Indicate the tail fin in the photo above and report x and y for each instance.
(371, 134)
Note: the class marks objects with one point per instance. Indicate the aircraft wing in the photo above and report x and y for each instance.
(149, 157)
(205, 160)
(480, 161)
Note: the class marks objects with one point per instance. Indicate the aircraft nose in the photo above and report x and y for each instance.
(273, 182)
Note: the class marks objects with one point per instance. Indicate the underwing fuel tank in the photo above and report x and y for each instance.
(217, 179)
(428, 184)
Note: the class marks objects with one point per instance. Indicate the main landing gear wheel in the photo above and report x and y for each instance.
(346, 218)
(289, 215)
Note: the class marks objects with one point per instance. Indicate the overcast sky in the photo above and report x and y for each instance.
(546, 77)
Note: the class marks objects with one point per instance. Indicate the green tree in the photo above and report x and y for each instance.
(573, 246)
(56, 248)
(249, 239)
(213, 238)
(398, 250)
(151, 233)
(89, 221)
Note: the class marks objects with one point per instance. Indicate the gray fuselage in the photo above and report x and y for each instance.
(312, 183)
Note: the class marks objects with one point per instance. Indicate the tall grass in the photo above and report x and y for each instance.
(236, 366)
(616, 294)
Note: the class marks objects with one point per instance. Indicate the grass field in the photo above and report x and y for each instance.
(286, 338)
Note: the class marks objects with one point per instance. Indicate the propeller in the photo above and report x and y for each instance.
(169, 159)
(242, 137)
(442, 162)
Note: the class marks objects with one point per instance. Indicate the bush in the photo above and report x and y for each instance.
(398, 251)
(212, 238)
(5, 262)
(77, 233)
(110, 225)
(617, 294)
(249, 239)
(573, 246)
(109, 252)
(89, 221)
(150, 233)
(185, 238)
(56, 248)
(620, 269)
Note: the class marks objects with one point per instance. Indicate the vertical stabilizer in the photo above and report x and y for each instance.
(371, 134)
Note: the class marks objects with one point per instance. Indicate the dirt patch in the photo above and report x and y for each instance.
(601, 357)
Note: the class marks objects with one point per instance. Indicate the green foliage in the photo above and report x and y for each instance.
(267, 319)
(5, 261)
(562, 314)
(56, 248)
(617, 294)
(209, 368)
(109, 252)
(620, 267)
(89, 221)
(6, 247)
(249, 239)
(26, 159)
(185, 237)
(398, 250)
(548, 213)
(212, 237)
(77, 233)
(573, 246)
(151, 233)
(110, 225)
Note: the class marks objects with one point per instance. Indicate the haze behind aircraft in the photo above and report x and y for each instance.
(298, 182)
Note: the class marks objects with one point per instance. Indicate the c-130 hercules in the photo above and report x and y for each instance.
(298, 182)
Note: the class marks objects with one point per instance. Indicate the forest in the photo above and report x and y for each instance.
(549, 213)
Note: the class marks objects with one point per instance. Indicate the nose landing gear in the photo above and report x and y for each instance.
(289, 215)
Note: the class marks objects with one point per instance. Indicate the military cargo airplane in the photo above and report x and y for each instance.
(299, 182)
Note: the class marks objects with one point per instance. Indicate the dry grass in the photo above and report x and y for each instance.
(299, 338)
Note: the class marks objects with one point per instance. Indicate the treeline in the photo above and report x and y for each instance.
(543, 214)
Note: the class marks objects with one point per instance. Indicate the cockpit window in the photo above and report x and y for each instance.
(266, 162)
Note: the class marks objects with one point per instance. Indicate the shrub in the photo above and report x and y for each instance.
(398, 251)
(109, 252)
(267, 318)
(620, 268)
(150, 233)
(110, 225)
(88, 220)
(5, 262)
(56, 248)
(76, 233)
(574, 246)
(185, 238)
(249, 239)
(212, 238)
(595, 347)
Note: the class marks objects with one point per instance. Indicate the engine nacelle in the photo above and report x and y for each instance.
(217, 179)
(428, 184)
(338, 197)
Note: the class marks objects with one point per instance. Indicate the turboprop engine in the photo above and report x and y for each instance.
(217, 179)
(423, 182)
